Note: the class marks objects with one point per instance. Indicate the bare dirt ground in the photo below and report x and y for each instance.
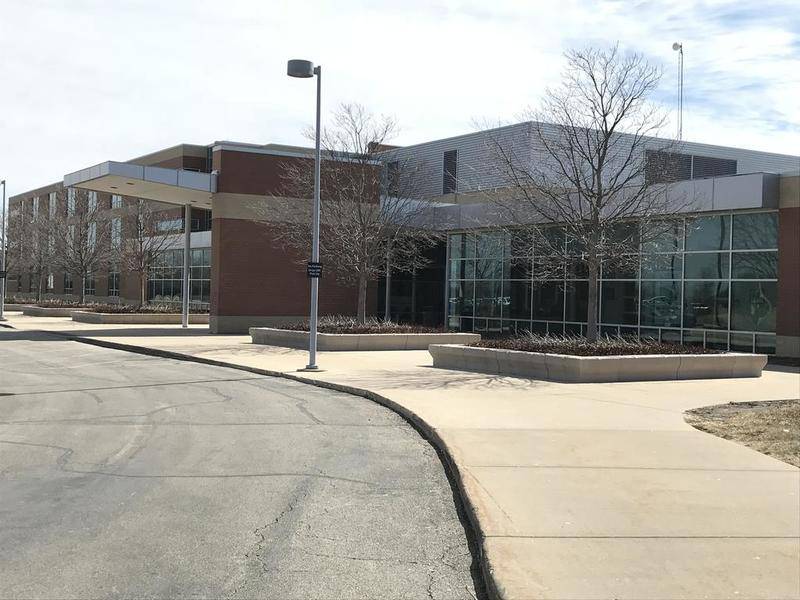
(772, 428)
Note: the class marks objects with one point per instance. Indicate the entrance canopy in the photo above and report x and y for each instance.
(173, 186)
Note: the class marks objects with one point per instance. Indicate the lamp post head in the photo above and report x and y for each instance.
(677, 46)
(300, 68)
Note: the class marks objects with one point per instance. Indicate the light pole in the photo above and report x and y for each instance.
(3, 256)
(678, 47)
(305, 69)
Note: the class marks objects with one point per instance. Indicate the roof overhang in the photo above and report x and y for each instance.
(172, 186)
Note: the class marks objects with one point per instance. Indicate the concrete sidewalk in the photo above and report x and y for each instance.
(579, 490)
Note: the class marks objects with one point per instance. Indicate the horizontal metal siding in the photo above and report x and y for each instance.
(477, 165)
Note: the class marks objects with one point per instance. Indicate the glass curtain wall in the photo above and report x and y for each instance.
(165, 283)
(710, 280)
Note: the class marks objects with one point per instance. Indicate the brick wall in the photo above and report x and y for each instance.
(252, 275)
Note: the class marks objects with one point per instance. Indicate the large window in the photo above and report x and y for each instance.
(90, 285)
(116, 232)
(113, 281)
(710, 280)
(71, 201)
(165, 284)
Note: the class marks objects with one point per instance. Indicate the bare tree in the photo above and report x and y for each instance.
(16, 230)
(82, 240)
(370, 222)
(30, 244)
(139, 239)
(588, 196)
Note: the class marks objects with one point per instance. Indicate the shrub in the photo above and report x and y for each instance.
(580, 346)
(146, 309)
(344, 324)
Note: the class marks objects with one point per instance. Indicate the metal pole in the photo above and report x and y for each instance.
(680, 100)
(312, 338)
(187, 263)
(3, 257)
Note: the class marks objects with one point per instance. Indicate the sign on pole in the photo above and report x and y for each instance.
(314, 270)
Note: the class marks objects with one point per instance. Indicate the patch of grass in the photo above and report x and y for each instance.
(580, 346)
(343, 324)
(772, 428)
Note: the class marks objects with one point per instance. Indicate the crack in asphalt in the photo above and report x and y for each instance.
(62, 461)
(137, 386)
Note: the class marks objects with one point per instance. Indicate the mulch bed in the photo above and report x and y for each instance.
(352, 326)
(579, 346)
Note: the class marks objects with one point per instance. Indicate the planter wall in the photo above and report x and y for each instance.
(13, 307)
(597, 369)
(38, 311)
(358, 341)
(85, 316)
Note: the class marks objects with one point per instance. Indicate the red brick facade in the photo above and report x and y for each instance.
(252, 275)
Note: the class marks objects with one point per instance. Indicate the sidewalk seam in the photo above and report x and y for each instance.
(475, 537)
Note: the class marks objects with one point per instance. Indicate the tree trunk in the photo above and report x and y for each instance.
(387, 298)
(39, 294)
(362, 300)
(414, 295)
(83, 289)
(142, 289)
(591, 303)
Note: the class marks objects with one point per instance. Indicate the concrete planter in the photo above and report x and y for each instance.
(85, 316)
(358, 341)
(597, 369)
(39, 311)
(13, 307)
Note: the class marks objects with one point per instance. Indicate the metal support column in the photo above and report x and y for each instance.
(187, 263)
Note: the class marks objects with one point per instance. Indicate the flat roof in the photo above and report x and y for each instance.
(172, 186)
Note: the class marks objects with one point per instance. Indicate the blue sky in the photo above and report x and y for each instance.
(86, 81)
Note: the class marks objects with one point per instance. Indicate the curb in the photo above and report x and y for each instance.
(464, 506)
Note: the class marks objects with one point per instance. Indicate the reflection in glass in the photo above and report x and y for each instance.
(662, 266)
(519, 300)
(460, 298)
(705, 304)
(717, 340)
(707, 265)
(753, 305)
(548, 300)
(755, 265)
(626, 267)
(693, 337)
(755, 231)
(518, 268)
(671, 336)
(488, 269)
(661, 303)
(462, 245)
(663, 236)
(491, 245)
(765, 344)
(742, 342)
(708, 233)
(488, 298)
(577, 301)
(619, 302)
(462, 269)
